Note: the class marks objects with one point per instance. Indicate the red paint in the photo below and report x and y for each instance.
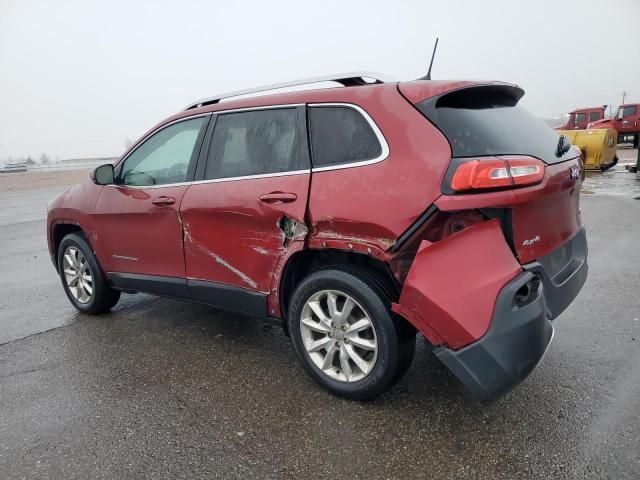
(549, 210)
(129, 224)
(378, 202)
(233, 237)
(232, 231)
(580, 118)
(450, 291)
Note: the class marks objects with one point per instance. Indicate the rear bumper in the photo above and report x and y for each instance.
(520, 333)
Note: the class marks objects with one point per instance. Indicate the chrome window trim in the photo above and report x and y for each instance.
(263, 107)
(384, 146)
(216, 180)
(376, 130)
(253, 177)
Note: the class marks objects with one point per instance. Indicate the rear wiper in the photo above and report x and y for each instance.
(563, 146)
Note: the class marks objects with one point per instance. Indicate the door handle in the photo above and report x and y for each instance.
(278, 197)
(163, 201)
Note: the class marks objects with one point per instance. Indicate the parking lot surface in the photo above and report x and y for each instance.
(163, 389)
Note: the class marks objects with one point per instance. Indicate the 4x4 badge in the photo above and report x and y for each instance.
(531, 241)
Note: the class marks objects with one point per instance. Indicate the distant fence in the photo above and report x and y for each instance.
(79, 164)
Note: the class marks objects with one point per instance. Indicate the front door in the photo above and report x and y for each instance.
(249, 204)
(628, 119)
(137, 219)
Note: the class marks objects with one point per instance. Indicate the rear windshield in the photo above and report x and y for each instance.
(486, 120)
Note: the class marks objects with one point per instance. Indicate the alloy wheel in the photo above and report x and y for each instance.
(339, 336)
(77, 274)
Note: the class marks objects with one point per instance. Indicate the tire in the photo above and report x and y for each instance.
(102, 297)
(393, 337)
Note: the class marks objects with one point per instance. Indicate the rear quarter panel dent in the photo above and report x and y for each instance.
(452, 285)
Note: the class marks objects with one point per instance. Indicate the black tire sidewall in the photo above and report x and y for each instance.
(103, 296)
(383, 373)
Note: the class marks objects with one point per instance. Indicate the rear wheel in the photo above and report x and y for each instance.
(82, 278)
(345, 335)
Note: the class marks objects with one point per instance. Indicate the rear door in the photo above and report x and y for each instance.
(137, 219)
(248, 205)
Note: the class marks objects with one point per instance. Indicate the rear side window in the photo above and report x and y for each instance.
(256, 142)
(593, 116)
(486, 120)
(341, 135)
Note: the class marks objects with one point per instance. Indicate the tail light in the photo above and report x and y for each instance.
(493, 172)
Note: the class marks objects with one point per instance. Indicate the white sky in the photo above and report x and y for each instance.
(78, 78)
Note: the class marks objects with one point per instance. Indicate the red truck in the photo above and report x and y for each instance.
(580, 118)
(626, 121)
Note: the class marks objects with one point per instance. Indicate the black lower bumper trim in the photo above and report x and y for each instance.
(519, 335)
(509, 351)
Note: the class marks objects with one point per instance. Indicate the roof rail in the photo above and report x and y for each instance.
(345, 79)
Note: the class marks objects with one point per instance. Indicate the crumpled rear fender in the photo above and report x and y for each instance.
(451, 288)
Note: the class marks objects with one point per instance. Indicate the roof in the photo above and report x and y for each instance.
(586, 109)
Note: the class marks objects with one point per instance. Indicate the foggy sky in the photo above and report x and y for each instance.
(79, 78)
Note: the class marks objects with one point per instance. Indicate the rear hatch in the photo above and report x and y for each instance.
(539, 186)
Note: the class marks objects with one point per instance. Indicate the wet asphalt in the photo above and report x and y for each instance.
(164, 389)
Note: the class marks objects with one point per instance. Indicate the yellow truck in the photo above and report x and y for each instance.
(599, 147)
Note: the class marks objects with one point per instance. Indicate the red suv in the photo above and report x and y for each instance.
(356, 216)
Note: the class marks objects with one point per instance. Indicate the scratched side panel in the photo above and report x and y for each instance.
(374, 204)
(231, 237)
(136, 236)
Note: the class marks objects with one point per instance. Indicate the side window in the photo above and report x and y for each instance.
(164, 157)
(256, 142)
(629, 111)
(593, 116)
(341, 135)
(580, 118)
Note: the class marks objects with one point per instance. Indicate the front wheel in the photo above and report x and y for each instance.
(82, 278)
(345, 335)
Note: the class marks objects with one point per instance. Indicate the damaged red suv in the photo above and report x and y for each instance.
(356, 216)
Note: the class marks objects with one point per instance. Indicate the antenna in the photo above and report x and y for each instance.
(624, 95)
(433, 55)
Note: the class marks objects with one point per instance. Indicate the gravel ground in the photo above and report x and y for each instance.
(14, 182)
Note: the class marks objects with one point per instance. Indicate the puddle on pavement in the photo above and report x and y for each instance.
(615, 181)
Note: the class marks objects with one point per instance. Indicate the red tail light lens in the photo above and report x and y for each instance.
(495, 172)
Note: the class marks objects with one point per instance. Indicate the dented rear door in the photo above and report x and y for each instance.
(250, 203)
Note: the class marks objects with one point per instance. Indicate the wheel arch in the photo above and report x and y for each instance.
(58, 232)
(305, 262)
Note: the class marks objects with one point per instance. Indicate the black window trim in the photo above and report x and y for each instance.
(597, 115)
(191, 169)
(204, 151)
(384, 146)
(584, 114)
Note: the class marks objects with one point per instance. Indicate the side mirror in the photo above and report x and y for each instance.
(103, 175)
(620, 114)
